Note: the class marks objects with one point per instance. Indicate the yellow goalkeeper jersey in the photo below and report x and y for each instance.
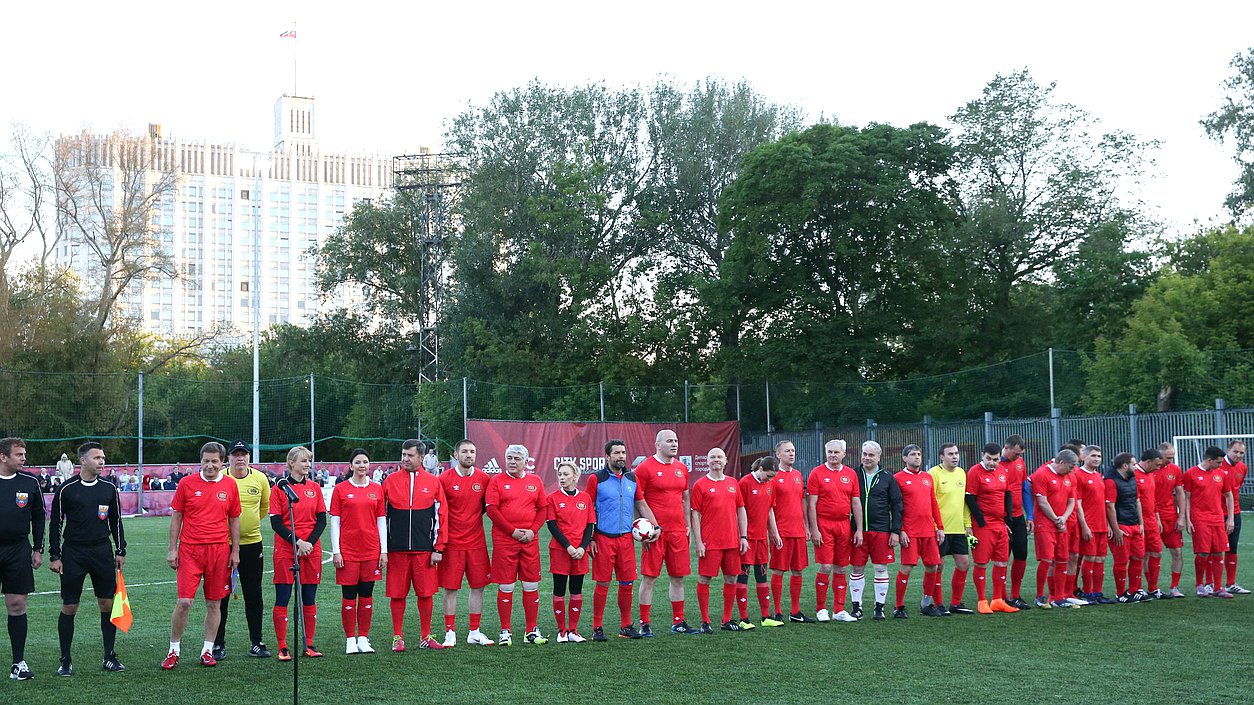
(254, 500)
(951, 495)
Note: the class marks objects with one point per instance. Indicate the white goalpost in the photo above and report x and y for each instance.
(1189, 451)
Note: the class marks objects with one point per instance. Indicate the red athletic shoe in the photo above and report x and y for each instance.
(207, 660)
(170, 661)
(284, 654)
(311, 652)
(429, 643)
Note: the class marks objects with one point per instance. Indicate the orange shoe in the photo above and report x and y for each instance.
(1000, 605)
(983, 608)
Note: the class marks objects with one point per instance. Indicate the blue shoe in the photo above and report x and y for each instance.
(683, 628)
(646, 632)
(1043, 603)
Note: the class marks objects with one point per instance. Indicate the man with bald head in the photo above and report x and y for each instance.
(664, 481)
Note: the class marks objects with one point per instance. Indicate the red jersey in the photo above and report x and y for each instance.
(465, 497)
(359, 510)
(790, 497)
(206, 507)
(1092, 489)
(663, 485)
(1146, 487)
(1170, 476)
(920, 513)
(1236, 478)
(573, 513)
(1057, 489)
(1206, 494)
(989, 489)
(835, 490)
(758, 497)
(1016, 474)
(307, 509)
(417, 511)
(717, 500)
(515, 503)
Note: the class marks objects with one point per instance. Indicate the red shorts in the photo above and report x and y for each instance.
(672, 547)
(1049, 543)
(1073, 540)
(1097, 546)
(616, 557)
(513, 560)
(355, 572)
(1171, 537)
(1207, 538)
(835, 547)
(560, 562)
(470, 563)
(921, 547)
(726, 559)
(408, 569)
(874, 546)
(1153, 539)
(793, 555)
(310, 565)
(1133, 544)
(759, 552)
(993, 542)
(208, 561)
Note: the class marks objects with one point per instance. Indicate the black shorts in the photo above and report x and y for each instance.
(1234, 538)
(1019, 537)
(17, 577)
(955, 545)
(79, 562)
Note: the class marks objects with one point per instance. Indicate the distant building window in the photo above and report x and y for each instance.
(243, 195)
(243, 286)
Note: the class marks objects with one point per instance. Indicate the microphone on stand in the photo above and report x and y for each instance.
(285, 485)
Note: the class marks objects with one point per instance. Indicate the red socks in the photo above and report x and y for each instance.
(1042, 577)
(646, 612)
(980, 578)
(624, 604)
(1017, 569)
(1134, 574)
(1216, 570)
(559, 613)
(957, 586)
(677, 611)
(348, 617)
(450, 622)
(1152, 569)
(729, 601)
(777, 591)
(1230, 565)
(531, 608)
(820, 591)
(999, 582)
(1059, 589)
(365, 615)
(839, 590)
(600, 595)
(703, 601)
(1175, 580)
(475, 619)
(425, 606)
(504, 608)
(1121, 577)
(1200, 566)
(398, 614)
(572, 616)
(311, 622)
(794, 593)
(764, 599)
(903, 581)
(742, 601)
(280, 626)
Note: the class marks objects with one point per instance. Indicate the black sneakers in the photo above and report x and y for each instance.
(111, 663)
(627, 632)
(219, 652)
(960, 608)
(259, 650)
(801, 618)
(66, 668)
(900, 613)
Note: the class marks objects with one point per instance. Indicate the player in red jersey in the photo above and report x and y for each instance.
(1169, 486)
(571, 521)
(1208, 517)
(791, 556)
(1234, 465)
(518, 507)
(1052, 491)
(1094, 531)
(618, 500)
(1126, 518)
(831, 499)
(988, 497)
(924, 529)
(1016, 469)
(466, 552)
(358, 549)
(299, 540)
(664, 482)
(720, 531)
(204, 543)
(417, 517)
(758, 489)
(1146, 475)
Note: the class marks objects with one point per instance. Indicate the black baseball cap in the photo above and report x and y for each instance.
(238, 446)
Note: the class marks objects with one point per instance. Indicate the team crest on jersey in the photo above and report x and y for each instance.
(1001, 478)
(222, 496)
(731, 489)
(844, 479)
(254, 491)
(309, 494)
(531, 487)
(797, 480)
(1066, 483)
(679, 473)
(580, 505)
(475, 487)
(1170, 476)
(372, 495)
(102, 511)
(1218, 479)
(22, 498)
(927, 482)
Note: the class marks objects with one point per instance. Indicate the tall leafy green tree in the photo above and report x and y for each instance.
(1235, 120)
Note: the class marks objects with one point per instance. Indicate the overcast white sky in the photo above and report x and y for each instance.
(387, 75)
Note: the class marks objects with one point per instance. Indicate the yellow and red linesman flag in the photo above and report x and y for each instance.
(121, 616)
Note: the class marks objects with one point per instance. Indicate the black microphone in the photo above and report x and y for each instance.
(285, 485)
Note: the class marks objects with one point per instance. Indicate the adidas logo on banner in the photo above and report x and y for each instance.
(492, 467)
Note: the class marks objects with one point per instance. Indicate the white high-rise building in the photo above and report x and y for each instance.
(208, 224)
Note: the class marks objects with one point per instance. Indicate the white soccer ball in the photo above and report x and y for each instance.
(643, 530)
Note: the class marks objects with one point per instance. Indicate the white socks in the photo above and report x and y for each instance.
(857, 583)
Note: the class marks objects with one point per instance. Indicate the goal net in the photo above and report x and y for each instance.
(1189, 451)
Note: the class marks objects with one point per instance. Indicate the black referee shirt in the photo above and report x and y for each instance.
(85, 514)
(21, 511)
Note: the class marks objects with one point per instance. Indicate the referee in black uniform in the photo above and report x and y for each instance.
(85, 539)
(21, 520)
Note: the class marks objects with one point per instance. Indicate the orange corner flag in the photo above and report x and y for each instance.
(121, 616)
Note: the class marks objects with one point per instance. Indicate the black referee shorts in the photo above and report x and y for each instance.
(1019, 537)
(79, 562)
(955, 545)
(1234, 538)
(17, 577)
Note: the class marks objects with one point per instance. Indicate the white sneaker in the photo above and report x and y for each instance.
(844, 616)
(450, 639)
(575, 638)
(823, 616)
(350, 646)
(535, 638)
(561, 637)
(1175, 592)
(363, 645)
(1210, 589)
(505, 639)
(478, 638)
(1201, 591)
(1237, 590)
(1077, 601)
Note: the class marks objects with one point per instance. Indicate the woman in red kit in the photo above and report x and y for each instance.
(571, 522)
(358, 549)
(300, 541)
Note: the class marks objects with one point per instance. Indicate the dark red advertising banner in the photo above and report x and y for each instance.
(551, 442)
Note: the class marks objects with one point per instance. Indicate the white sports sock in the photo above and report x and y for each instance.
(175, 647)
(857, 583)
(927, 600)
(881, 589)
(208, 647)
